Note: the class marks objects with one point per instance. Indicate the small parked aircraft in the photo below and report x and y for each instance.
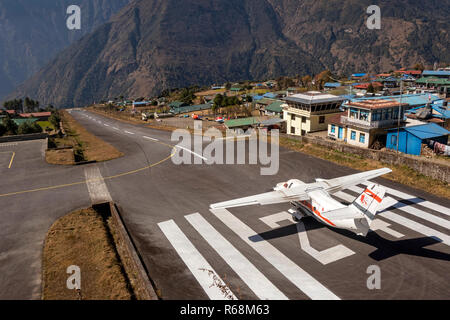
(313, 199)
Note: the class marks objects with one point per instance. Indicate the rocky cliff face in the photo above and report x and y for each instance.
(157, 44)
(32, 32)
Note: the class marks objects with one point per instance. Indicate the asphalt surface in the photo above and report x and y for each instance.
(244, 253)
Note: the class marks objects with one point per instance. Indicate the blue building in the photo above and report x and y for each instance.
(411, 138)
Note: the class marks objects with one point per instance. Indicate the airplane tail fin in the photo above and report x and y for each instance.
(369, 202)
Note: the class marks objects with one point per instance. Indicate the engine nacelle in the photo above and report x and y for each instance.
(288, 184)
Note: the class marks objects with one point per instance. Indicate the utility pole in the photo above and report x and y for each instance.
(399, 113)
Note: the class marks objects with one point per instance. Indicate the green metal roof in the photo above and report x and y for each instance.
(432, 80)
(275, 107)
(241, 122)
(21, 121)
(177, 104)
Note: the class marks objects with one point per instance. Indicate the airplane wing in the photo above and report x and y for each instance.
(280, 196)
(341, 183)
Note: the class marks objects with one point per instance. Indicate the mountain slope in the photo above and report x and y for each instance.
(154, 44)
(33, 32)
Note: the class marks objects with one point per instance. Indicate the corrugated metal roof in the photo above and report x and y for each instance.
(241, 122)
(275, 106)
(435, 73)
(426, 131)
(332, 85)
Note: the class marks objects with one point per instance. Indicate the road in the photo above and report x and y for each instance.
(191, 252)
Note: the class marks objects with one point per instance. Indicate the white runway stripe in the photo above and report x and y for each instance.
(128, 132)
(190, 151)
(420, 228)
(300, 278)
(149, 138)
(208, 279)
(411, 210)
(255, 280)
(414, 199)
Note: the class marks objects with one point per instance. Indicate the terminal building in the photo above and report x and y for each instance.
(310, 111)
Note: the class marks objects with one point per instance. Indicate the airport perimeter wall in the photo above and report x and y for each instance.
(429, 167)
(24, 137)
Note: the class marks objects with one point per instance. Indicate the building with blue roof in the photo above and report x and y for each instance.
(410, 139)
(438, 74)
(414, 100)
(332, 85)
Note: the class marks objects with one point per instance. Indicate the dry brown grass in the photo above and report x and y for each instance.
(93, 148)
(63, 156)
(400, 174)
(82, 239)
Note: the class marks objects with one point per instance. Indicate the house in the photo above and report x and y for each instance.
(414, 73)
(275, 109)
(310, 111)
(364, 86)
(441, 74)
(41, 116)
(410, 139)
(177, 104)
(358, 76)
(367, 121)
(331, 85)
(261, 104)
(242, 123)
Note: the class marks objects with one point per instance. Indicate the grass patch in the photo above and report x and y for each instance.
(45, 124)
(85, 146)
(82, 238)
(401, 174)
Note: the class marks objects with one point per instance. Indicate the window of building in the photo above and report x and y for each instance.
(333, 128)
(353, 113)
(364, 116)
(353, 135)
(303, 132)
(322, 119)
(292, 117)
(394, 141)
(304, 119)
(388, 114)
(292, 130)
(362, 137)
(376, 115)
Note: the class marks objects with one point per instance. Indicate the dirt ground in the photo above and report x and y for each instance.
(82, 239)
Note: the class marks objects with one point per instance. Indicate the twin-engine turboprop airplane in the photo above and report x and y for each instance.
(314, 200)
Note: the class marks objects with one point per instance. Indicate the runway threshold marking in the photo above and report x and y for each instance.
(255, 280)
(299, 277)
(206, 276)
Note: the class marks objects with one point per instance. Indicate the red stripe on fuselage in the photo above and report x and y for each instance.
(316, 212)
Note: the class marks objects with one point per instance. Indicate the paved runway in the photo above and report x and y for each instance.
(244, 253)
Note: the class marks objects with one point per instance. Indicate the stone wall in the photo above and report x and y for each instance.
(437, 169)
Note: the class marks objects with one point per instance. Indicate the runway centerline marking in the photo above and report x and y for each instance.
(196, 263)
(190, 151)
(150, 138)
